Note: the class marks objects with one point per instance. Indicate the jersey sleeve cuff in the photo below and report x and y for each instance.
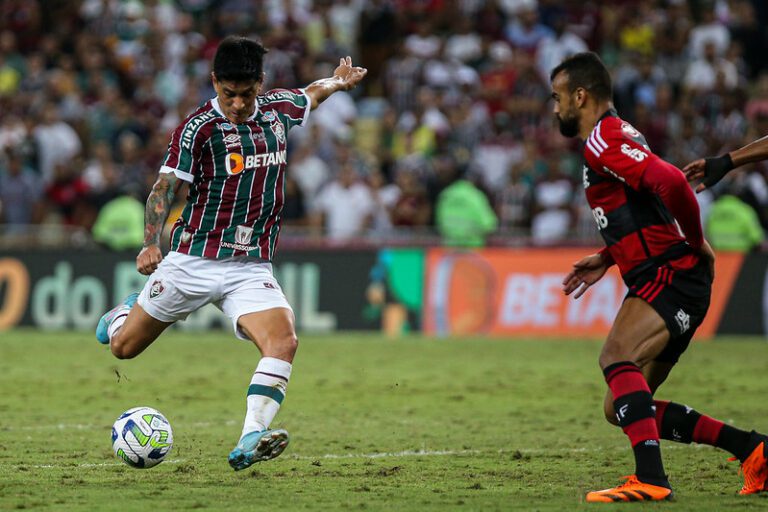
(307, 109)
(179, 174)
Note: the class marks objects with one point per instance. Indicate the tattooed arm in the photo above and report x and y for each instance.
(156, 213)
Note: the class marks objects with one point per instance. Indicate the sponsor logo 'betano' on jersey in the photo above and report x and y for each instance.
(236, 176)
(634, 223)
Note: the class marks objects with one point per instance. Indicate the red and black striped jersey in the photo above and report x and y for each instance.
(236, 176)
(636, 226)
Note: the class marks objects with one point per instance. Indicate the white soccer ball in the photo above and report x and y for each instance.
(142, 437)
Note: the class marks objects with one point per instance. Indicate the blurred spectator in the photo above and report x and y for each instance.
(412, 207)
(67, 196)
(57, 142)
(309, 171)
(464, 216)
(702, 74)
(637, 83)
(294, 210)
(495, 154)
(464, 44)
(424, 43)
(524, 31)
(708, 32)
(732, 225)
(552, 211)
(344, 206)
(552, 50)
(413, 136)
(19, 193)
(385, 197)
(120, 224)
(498, 79)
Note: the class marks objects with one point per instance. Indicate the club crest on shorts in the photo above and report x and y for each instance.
(269, 285)
(683, 320)
(156, 289)
(243, 235)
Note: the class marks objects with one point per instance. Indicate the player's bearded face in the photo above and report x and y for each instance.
(568, 122)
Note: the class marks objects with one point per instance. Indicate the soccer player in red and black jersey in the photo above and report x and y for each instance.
(649, 219)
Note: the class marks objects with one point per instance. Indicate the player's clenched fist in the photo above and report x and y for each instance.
(148, 259)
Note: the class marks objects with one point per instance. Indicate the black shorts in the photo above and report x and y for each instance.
(680, 297)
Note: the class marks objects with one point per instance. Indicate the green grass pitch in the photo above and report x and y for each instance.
(413, 424)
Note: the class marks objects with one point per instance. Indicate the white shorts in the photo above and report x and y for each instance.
(183, 284)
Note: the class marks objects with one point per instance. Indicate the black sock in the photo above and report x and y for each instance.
(648, 465)
(738, 442)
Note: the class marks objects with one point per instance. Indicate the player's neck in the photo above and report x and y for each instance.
(591, 115)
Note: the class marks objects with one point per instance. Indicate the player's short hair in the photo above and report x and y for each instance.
(587, 71)
(239, 59)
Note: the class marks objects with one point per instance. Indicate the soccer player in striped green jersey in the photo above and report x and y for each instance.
(232, 153)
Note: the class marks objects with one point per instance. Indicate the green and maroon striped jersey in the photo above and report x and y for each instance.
(236, 176)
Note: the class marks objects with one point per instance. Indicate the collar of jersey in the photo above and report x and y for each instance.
(611, 112)
(217, 108)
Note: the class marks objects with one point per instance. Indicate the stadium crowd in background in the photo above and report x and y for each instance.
(457, 89)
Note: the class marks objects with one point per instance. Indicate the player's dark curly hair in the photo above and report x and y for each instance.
(587, 71)
(239, 59)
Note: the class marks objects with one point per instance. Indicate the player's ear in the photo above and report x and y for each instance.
(580, 97)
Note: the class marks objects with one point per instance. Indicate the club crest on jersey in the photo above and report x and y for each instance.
(277, 128)
(235, 163)
(156, 289)
(629, 130)
(270, 116)
(186, 236)
(243, 235)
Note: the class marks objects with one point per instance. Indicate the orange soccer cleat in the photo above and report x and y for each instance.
(755, 471)
(631, 490)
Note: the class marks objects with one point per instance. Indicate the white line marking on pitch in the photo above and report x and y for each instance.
(375, 455)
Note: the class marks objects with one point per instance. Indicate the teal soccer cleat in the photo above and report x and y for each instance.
(258, 446)
(102, 330)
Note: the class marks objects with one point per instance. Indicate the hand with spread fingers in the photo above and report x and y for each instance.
(348, 74)
(586, 272)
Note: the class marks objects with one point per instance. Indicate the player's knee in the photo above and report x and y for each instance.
(614, 353)
(121, 349)
(290, 343)
(610, 415)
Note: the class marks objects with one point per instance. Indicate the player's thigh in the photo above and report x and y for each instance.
(638, 334)
(255, 303)
(272, 330)
(137, 333)
(655, 373)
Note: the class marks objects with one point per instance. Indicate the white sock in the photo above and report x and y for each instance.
(266, 393)
(117, 323)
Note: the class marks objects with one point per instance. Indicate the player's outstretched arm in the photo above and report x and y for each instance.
(711, 170)
(586, 272)
(155, 214)
(345, 77)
